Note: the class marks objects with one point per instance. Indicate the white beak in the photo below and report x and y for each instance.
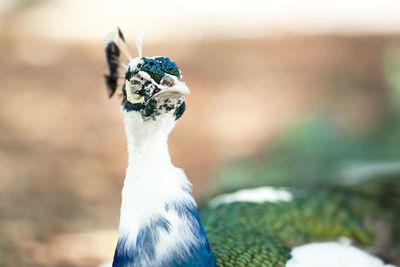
(172, 87)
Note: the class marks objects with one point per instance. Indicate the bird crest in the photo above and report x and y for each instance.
(115, 45)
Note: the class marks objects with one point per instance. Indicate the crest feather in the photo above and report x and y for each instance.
(139, 43)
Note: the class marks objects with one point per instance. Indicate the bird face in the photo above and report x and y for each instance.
(154, 86)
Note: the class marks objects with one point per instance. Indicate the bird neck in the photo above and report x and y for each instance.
(147, 140)
(159, 223)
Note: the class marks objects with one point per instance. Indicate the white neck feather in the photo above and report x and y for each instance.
(147, 140)
(151, 179)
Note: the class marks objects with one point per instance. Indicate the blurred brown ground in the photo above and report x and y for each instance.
(62, 145)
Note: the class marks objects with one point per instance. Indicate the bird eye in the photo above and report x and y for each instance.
(167, 81)
(136, 82)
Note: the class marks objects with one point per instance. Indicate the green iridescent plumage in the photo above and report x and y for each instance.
(253, 234)
(158, 66)
(319, 154)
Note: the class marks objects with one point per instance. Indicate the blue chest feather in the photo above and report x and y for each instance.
(143, 252)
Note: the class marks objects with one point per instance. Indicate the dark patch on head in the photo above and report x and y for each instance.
(128, 106)
(150, 108)
(156, 90)
(180, 110)
(129, 74)
(168, 107)
(157, 67)
(143, 91)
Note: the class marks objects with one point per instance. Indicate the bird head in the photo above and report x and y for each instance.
(152, 86)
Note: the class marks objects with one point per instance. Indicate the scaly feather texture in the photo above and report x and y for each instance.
(258, 228)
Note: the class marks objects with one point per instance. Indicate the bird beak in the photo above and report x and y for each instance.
(171, 86)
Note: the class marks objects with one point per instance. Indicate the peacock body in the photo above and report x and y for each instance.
(244, 231)
(160, 224)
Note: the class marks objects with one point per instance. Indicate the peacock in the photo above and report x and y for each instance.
(161, 226)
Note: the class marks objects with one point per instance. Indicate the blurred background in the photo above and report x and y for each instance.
(283, 93)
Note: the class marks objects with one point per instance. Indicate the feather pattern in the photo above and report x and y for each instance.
(112, 56)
